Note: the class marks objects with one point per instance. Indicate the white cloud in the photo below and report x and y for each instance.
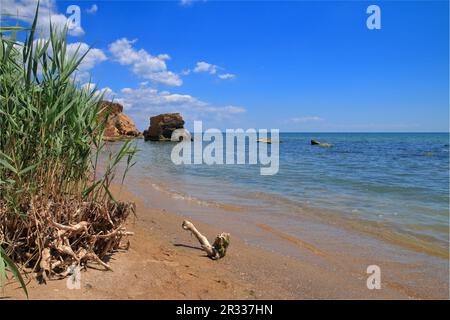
(164, 56)
(90, 60)
(306, 119)
(89, 86)
(203, 66)
(142, 63)
(144, 102)
(93, 9)
(226, 76)
(24, 10)
(108, 93)
(151, 98)
(93, 57)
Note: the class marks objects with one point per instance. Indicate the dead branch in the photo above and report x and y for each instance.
(215, 251)
(61, 234)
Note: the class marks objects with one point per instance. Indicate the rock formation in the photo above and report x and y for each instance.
(118, 124)
(162, 126)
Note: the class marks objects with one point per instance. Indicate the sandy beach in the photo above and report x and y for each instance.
(165, 262)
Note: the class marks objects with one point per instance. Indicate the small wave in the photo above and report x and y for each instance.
(276, 199)
(176, 195)
(406, 237)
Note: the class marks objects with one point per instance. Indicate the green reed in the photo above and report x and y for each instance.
(50, 134)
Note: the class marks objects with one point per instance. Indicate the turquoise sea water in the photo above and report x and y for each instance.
(399, 181)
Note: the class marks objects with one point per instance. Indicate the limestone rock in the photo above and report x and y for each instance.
(118, 124)
(162, 126)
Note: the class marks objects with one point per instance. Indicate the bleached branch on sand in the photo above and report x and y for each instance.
(215, 251)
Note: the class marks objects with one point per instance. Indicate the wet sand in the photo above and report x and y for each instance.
(165, 262)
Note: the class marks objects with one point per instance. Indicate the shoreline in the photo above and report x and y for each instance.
(412, 220)
(165, 262)
(366, 228)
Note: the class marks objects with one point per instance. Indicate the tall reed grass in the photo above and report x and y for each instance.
(50, 146)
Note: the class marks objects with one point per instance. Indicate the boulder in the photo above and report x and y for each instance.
(118, 124)
(162, 126)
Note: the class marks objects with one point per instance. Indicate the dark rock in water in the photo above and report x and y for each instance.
(118, 124)
(320, 144)
(162, 126)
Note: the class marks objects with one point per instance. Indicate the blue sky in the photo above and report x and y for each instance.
(292, 65)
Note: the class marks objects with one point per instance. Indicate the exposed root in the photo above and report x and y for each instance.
(215, 251)
(52, 238)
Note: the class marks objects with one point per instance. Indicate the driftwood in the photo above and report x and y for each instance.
(53, 237)
(215, 251)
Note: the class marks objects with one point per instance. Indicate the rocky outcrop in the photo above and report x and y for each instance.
(118, 124)
(162, 126)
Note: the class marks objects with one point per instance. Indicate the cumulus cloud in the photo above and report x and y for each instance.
(93, 9)
(24, 10)
(93, 57)
(203, 66)
(144, 101)
(164, 56)
(108, 93)
(142, 63)
(153, 100)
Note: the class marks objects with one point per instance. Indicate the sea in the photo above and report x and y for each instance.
(375, 190)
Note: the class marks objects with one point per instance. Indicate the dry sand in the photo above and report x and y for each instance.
(165, 262)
